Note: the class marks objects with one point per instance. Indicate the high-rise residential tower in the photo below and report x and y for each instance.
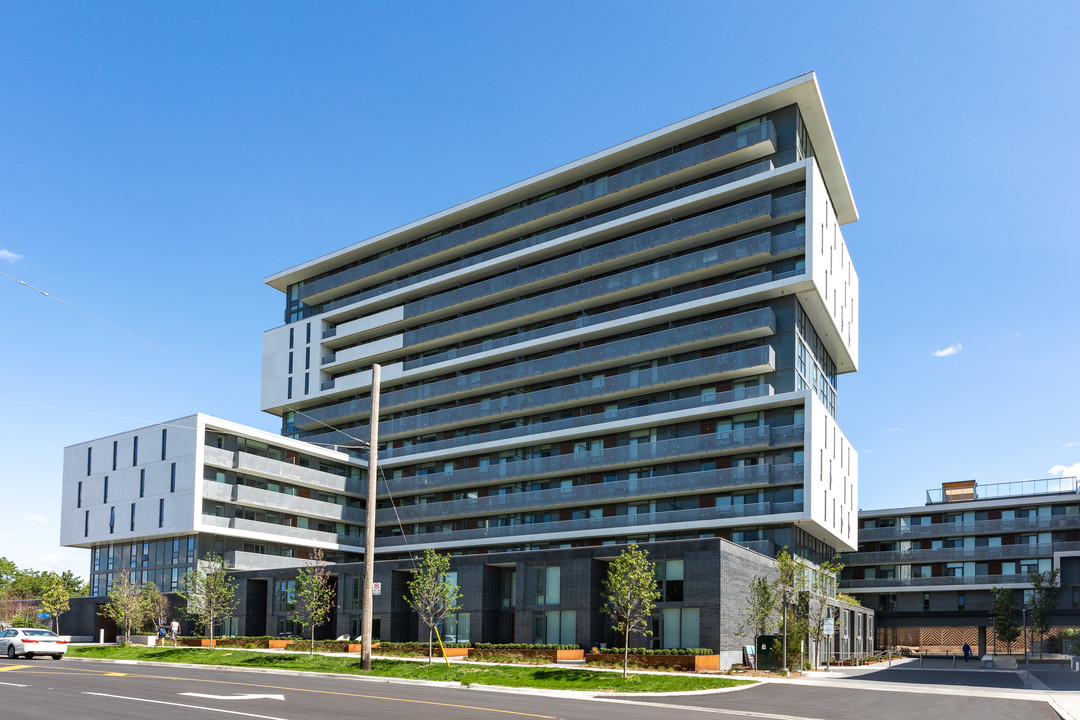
(643, 344)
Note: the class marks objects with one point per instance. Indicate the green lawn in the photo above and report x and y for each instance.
(512, 676)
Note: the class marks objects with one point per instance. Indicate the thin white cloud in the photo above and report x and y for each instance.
(892, 429)
(951, 350)
(10, 256)
(1065, 470)
(1072, 444)
(36, 518)
(867, 451)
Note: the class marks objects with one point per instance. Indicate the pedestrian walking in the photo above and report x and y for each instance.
(174, 630)
(967, 652)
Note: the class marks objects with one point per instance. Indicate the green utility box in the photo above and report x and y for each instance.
(766, 658)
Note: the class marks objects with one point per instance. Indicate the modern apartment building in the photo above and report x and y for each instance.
(640, 345)
(153, 500)
(929, 570)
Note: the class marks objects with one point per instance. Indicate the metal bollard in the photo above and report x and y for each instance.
(953, 659)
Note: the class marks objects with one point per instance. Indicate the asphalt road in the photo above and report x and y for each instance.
(44, 688)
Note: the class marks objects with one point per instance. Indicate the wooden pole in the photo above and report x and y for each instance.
(369, 525)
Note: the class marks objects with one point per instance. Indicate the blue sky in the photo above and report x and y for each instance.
(160, 159)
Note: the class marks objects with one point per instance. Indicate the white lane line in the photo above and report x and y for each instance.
(235, 697)
(14, 684)
(192, 707)
(715, 711)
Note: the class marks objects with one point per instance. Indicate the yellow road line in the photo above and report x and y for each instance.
(9, 668)
(306, 690)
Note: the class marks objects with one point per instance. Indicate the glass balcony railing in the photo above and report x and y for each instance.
(973, 527)
(591, 461)
(948, 581)
(288, 532)
(666, 272)
(583, 422)
(276, 501)
(636, 523)
(1021, 488)
(983, 553)
(664, 486)
(639, 381)
(563, 201)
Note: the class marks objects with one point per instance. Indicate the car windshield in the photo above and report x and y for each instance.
(39, 633)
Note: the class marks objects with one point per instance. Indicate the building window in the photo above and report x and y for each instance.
(164, 441)
(112, 519)
(677, 628)
(292, 332)
(78, 496)
(86, 524)
(105, 490)
(556, 627)
(290, 364)
(161, 513)
(307, 358)
(133, 525)
(115, 446)
(669, 580)
(925, 601)
(142, 482)
(960, 601)
(285, 596)
(135, 452)
(290, 389)
(172, 478)
(308, 332)
(456, 628)
(89, 459)
(547, 585)
(307, 383)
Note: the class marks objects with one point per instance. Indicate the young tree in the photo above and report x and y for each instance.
(1046, 591)
(156, 604)
(790, 587)
(1003, 611)
(54, 600)
(822, 589)
(760, 609)
(314, 595)
(630, 594)
(430, 593)
(209, 592)
(125, 605)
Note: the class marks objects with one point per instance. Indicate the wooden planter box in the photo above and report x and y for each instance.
(194, 642)
(278, 644)
(694, 663)
(359, 647)
(549, 655)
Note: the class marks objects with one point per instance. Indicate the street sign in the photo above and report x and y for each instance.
(376, 588)
(830, 626)
(43, 616)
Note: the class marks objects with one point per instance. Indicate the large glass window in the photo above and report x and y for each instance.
(556, 627)
(547, 585)
(669, 580)
(677, 628)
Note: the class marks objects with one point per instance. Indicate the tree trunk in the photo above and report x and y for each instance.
(429, 632)
(210, 629)
(312, 653)
(626, 649)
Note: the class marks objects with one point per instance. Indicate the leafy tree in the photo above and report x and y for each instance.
(1046, 591)
(125, 605)
(630, 594)
(792, 621)
(760, 609)
(1003, 611)
(822, 588)
(75, 585)
(431, 594)
(209, 592)
(156, 605)
(314, 595)
(55, 600)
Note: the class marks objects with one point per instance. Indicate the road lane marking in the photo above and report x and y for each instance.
(193, 707)
(716, 711)
(9, 668)
(235, 697)
(14, 684)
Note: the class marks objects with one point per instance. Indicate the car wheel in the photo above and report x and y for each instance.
(57, 657)
(11, 652)
(28, 656)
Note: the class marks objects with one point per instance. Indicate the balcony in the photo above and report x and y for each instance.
(527, 241)
(745, 145)
(582, 423)
(239, 560)
(743, 362)
(973, 527)
(292, 534)
(596, 526)
(889, 584)
(997, 491)
(591, 461)
(281, 502)
(598, 493)
(247, 463)
(983, 553)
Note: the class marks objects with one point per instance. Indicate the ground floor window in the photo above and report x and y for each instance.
(556, 627)
(455, 628)
(357, 621)
(288, 626)
(677, 628)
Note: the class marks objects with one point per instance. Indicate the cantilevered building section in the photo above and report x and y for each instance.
(643, 344)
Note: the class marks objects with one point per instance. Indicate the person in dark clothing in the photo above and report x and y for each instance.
(967, 652)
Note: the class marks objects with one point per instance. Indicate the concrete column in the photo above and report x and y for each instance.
(982, 640)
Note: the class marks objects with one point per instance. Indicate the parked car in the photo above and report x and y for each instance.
(29, 642)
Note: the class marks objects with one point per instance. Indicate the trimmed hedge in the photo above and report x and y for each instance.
(522, 646)
(418, 645)
(662, 651)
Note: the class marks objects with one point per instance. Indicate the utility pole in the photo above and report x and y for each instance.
(369, 526)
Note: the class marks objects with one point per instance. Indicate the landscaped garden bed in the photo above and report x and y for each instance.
(693, 659)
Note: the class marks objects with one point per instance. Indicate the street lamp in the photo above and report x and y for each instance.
(1023, 614)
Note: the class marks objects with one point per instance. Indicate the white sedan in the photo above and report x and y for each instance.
(29, 642)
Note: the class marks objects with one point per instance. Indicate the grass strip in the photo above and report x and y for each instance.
(548, 678)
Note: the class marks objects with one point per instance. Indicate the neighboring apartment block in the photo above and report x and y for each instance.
(154, 499)
(929, 570)
(641, 345)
